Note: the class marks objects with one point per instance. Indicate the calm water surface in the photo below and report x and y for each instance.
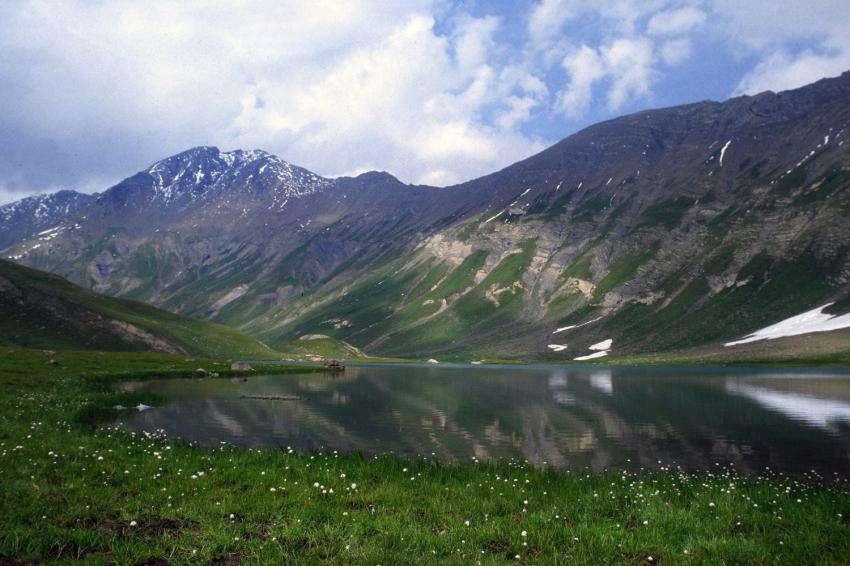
(571, 418)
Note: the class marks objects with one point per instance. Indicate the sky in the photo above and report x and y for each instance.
(433, 91)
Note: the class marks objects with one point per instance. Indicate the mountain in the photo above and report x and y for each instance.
(663, 230)
(41, 310)
(24, 219)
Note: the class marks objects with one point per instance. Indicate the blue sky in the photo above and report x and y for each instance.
(433, 91)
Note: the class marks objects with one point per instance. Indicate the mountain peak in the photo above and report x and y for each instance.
(377, 176)
(199, 170)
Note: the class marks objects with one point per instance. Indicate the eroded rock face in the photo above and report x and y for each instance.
(447, 249)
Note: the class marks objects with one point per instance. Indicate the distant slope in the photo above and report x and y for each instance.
(41, 310)
(320, 346)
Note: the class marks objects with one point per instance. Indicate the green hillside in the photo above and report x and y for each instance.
(41, 310)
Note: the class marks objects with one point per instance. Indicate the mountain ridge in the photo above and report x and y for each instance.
(628, 220)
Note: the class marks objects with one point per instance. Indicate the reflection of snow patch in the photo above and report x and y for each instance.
(557, 381)
(812, 321)
(591, 356)
(602, 381)
(813, 410)
(563, 398)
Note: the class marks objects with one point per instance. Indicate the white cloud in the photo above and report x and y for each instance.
(92, 91)
(675, 51)
(674, 22)
(622, 65)
(629, 62)
(328, 85)
(546, 20)
(793, 43)
(585, 68)
(783, 71)
(626, 64)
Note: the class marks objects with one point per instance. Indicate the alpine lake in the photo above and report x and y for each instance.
(594, 419)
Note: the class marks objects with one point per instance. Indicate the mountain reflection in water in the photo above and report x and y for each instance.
(570, 418)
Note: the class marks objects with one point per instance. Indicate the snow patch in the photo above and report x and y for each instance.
(814, 320)
(494, 217)
(604, 345)
(557, 347)
(570, 327)
(48, 231)
(591, 356)
(723, 151)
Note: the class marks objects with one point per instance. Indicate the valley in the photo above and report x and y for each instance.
(630, 347)
(665, 231)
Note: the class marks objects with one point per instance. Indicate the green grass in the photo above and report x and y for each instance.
(791, 181)
(590, 208)
(668, 213)
(579, 268)
(54, 313)
(473, 316)
(623, 269)
(322, 347)
(831, 182)
(776, 289)
(81, 491)
(461, 277)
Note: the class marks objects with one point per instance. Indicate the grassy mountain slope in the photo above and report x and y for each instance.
(664, 230)
(42, 310)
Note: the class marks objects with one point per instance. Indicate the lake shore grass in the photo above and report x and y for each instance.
(73, 489)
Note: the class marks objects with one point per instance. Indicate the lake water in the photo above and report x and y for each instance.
(591, 418)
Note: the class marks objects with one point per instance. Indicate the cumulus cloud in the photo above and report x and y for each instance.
(673, 22)
(625, 64)
(102, 89)
(586, 68)
(546, 20)
(622, 66)
(783, 71)
(629, 61)
(676, 51)
(792, 43)
(433, 91)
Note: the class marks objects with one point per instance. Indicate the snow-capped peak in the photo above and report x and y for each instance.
(202, 171)
(43, 206)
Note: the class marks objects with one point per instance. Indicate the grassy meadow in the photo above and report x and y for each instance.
(76, 489)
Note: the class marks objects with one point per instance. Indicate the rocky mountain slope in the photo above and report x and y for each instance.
(41, 310)
(662, 230)
(33, 216)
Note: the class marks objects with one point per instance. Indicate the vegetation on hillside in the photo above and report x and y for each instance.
(41, 310)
